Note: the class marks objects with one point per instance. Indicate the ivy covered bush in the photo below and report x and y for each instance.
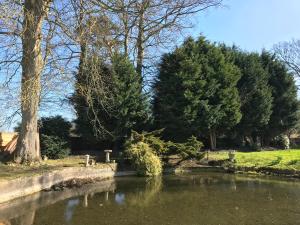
(54, 147)
(144, 159)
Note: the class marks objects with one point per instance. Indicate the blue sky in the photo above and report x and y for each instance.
(250, 24)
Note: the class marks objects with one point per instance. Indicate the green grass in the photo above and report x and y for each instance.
(11, 171)
(282, 159)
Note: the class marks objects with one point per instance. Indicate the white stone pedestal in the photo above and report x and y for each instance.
(107, 153)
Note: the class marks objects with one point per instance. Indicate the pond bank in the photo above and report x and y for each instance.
(238, 170)
(22, 186)
(277, 163)
(285, 163)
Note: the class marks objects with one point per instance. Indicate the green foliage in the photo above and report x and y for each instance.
(146, 162)
(284, 115)
(187, 150)
(131, 104)
(54, 147)
(122, 105)
(255, 93)
(159, 146)
(55, 133)
(55, 126)
(93, 100)
(190, 149)
(195, 91)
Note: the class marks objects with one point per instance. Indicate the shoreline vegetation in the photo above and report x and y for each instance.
(284, 163)
(71, 172)
(279, 162)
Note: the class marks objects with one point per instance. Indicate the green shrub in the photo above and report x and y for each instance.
(188, 150)
(55, 126)
(146, 162)
(54, 147)
(153, 139)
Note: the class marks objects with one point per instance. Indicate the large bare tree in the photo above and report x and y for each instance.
(147, 25)
(35, 11)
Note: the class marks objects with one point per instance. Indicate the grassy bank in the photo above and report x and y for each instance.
(11, 171)
(279, 160)
(283, 160)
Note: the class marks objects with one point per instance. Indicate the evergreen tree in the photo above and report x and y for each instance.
(195, 92)
(131, 103)
(255, 94)
(284, 91)
(92, 99)
(109, 100)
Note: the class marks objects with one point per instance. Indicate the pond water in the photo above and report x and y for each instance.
(203, 198)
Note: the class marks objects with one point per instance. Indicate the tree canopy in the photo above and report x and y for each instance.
(195, 92)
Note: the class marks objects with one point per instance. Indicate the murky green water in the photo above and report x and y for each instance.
(206, 198)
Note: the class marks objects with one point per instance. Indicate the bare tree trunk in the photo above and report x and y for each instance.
(28, 146)
(140, 40)
(126, 37)
(126, 31)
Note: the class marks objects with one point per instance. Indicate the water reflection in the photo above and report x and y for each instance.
(71, 204)
(185, 199)
(22, 211)
(120, 198)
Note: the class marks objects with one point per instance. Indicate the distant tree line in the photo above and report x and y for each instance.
(202, 89)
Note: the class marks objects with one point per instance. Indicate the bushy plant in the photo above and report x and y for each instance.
(190, 149)
(54, 147)
(55, 126)
(187, 150)
(146, 162)
(159, 146)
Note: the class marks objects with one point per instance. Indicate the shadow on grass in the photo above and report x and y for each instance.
(276, 161)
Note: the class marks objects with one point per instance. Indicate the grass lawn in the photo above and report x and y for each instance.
(12, 171)
(282, 159)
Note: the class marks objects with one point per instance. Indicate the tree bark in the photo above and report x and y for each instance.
(213, 139)
(140, 41)
(28, 146)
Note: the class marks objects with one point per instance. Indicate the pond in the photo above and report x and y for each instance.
(190, 199)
